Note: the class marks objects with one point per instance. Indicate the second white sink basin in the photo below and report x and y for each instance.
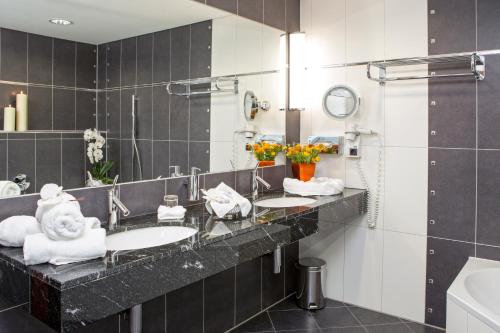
(147, 237)
(284, 202)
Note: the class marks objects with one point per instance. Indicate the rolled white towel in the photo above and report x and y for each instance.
(39, 249)
(171, 213)
(9, 189)
(51, 197)
(316, 186)
(14, 230)
(63, 222)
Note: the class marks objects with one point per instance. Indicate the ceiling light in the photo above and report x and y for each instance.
(60, 21)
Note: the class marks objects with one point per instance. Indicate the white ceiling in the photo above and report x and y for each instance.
(99, 21)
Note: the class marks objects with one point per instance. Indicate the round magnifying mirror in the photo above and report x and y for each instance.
(341, 101)
(250, 106)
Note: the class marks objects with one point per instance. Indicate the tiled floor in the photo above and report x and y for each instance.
(336, 317)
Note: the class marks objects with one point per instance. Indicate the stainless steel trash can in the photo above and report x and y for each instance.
(309, 290)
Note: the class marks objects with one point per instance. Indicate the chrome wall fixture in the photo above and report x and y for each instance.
(218, 85)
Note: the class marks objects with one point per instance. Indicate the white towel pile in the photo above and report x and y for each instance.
(59, 234)
(171, 213)
(316, 186)
(223, 199)
(9, 189)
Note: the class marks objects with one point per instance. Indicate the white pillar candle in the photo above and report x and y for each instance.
(9, 119)
(21, 112)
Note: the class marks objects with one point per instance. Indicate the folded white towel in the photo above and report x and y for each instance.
(316, 186)
(229, 200)
(9, 189)
(39, 249)
(51, 196)
(63, 222)
(171, 213)
(14, 230)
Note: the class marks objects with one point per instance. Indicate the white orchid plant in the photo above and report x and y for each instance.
(100, 168)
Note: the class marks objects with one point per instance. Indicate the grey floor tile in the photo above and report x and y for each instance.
(331, 303)
(389, 328)
(368, 317)
(335, 317)
(287, 304)
(419, 328)
(260, 323)
(302, 331)
(357, 329)
(292, 320)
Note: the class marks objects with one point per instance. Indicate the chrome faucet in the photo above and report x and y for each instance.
(194, 186)
(255, 183)
(113, 205)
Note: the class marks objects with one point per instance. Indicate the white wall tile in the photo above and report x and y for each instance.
(406, 175)
(405, 28)
(248, 46)
(220, 155)
(328, 245)
(363, 267)
(404, 275)
(224, 45)
(365, 30)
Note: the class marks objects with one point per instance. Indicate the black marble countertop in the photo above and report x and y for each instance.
(210, 231)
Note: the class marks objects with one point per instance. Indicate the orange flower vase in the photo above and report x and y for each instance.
(266, 163)
(303, 171)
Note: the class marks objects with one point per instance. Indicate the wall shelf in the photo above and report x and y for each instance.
(48, 132)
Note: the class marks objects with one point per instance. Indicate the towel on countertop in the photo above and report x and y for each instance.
(222, 199)
(14, 230)
(63, 222)
(52, 195)
(39, 249)
(9, 189)
(316, 186)
(171, 213)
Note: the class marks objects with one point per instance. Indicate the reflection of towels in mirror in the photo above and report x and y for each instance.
(9, 189)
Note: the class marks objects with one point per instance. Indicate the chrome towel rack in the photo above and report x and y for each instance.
(475, 62)
(217, 85)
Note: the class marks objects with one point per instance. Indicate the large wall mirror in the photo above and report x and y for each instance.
(163, 82)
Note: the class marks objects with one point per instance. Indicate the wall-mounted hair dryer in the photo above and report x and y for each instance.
(353, 139)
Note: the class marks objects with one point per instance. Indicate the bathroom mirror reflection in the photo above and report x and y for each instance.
(162, 82)
(341, 101)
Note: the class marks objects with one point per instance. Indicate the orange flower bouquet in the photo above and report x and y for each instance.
(266, 152)
(304, 159)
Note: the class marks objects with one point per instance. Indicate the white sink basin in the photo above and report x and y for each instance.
(147, 237)
(284, 202)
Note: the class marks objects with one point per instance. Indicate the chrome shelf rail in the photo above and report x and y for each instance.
(217, 85)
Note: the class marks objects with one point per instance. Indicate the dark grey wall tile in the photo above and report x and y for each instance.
(179, 118)
(292, 15)
(186, 319)
(101, 111)
(86, 65)
(443, 265)
(73, 163)
(113, 154)
(272, 284)
(161, 113)
(14, 55)
(488, 211)
(21, 159)
(488, 252)
(85, 110)
(24, 205)
(453, 26)
(180, 42)
(64, 63)
(201, 50)
(126, 113)
(214, 179)
(101, 66)
(274, 176)
(113, 113)
(248, 289)
(199, 119)
(244, 181)
(146, 154)
(227, 5)
(93, 202)
(126, 163)
(129, 62)
(113, 64)
(144, 113)
(452, 207)
(145, 59)
(179, 155)
(48, 162)
(488, 25)
(219, 293)
(199, 155)
(452, 121)
(154, 315)
(142, 197)
(291, 258)
(64, 117)
(179, 187)
(40, 108)
(275, 13)
(488, 106)
(252, 9)
(3, 159)
(161, 154)
(161, 60)
(39, 59)
(292, 123)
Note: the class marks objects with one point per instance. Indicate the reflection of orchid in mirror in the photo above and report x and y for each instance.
(98, 173)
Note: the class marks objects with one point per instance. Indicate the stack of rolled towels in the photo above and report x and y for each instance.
(58, 234)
